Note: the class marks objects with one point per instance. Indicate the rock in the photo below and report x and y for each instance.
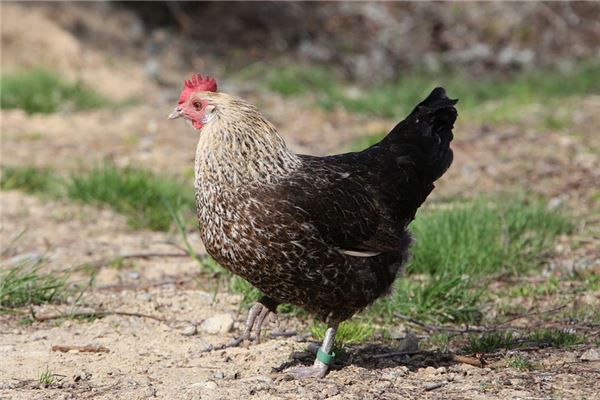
(7, 348)
(591, 355)
(219, 375)
(133, 275)
(428, 371)
(409, 343)
(189, 330)
(259, 378)
(221, 323)
(145, 296)
(333, 391)
(209, 385)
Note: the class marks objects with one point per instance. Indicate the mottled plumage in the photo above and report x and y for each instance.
(328, 234)
(292, 224)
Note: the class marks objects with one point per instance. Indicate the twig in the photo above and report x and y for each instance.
(467, 360)
(80, 349)
(433, 386)
(105, 261)
(283, 334)
(397, 353)
(122, 286)
(439, 328)
(469, 329)
(96, 314)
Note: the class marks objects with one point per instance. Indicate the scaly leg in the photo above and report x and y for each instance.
(257, 314)
(265, 312)
(322, 362)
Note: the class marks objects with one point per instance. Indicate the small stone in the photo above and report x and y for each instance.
(428, 371)
(221, 323)
(133, 275)
(209, 385)
(39, 335)
(189, 330)
(591, 355)
(219, 375)
(145, 296)
(409, 343)
(7, 348)
(331, 391)
(259, 378)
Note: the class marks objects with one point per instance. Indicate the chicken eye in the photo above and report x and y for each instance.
(197, 105)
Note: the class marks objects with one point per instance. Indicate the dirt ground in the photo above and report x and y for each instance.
(162, 351)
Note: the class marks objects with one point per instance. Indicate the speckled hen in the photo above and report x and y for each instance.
(328, 234)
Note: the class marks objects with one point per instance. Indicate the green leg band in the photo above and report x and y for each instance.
(325, 358)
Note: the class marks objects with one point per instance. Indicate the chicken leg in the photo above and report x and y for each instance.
(324, 358)
(256, 316)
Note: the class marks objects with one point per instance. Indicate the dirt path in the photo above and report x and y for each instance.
(148, 358)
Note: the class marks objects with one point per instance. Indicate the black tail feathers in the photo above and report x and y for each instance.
(425, 135)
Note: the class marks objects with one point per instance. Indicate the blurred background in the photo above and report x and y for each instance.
(93, 170)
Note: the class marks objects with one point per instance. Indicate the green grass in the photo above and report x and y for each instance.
(24, 285)
(29, 179)
(459, 246)
(519, 363)
(529, 290)
(491, 98)
(507, 340)
(43, 91)
(248, 292)
(46, 378)
(348, 333)
(147, 199)
(458, 250)
(479, 237)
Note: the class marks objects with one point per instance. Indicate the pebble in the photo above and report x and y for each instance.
(409, 343)
(210, 385)
(428, 371)
(189, 330)
(219, 375)
(220, 323)
(145, 296)
(133, 275)
(331, 391)
(7, 348)
(259, 378)
(591, 355)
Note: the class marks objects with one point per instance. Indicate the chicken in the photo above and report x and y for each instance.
(328, 234)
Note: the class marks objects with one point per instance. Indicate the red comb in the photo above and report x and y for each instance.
(197, 84)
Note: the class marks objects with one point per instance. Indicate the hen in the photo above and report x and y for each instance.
(328, 234)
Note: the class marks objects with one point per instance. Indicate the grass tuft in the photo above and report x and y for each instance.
(492, 99)
(42, 91)
(46, 378)
(145, 198)
(29, 179)
(520, 363)
(481, 237)
(249, 293)
(24, 285)
(348, 333)
(460, 248)
(506, 340)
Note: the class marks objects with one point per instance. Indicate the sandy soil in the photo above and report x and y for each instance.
(166, 359)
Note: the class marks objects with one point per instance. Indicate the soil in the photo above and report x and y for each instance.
(168, 359)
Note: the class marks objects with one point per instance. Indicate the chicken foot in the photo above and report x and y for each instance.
(324, 358)
(256, 317)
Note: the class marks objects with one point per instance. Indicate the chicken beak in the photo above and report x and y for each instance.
(176, 113)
